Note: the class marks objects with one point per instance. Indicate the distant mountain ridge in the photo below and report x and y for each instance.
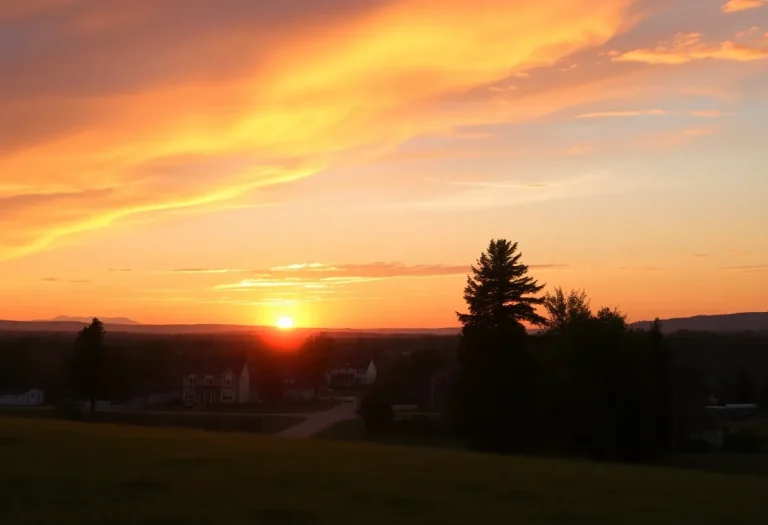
(741, 322)
(87, 320)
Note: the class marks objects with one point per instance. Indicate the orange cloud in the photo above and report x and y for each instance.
(633, 113)
(676, 138)
(330, 278)
(747, 32)
(733, 6)
(711, 113)
(687, 47)
(117, 114)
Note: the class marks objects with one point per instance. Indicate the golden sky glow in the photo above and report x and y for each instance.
(342, 162)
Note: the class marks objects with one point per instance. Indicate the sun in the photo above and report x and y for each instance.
(284, 323)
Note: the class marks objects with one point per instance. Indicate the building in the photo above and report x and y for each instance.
(351, 374)
(216, 381)
(22, 397)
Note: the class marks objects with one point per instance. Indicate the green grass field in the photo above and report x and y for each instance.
(62, 472)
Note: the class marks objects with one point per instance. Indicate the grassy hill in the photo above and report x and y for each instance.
(57, 472)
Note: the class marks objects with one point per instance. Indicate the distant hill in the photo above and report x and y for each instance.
(73, 324)
(755, 321)
(87, 320)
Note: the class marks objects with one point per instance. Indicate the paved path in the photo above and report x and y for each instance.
(318, 421)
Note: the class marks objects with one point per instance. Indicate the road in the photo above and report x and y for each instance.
(319, 421)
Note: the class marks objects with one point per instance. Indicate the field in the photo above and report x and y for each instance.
(266, 424)
(63, 472)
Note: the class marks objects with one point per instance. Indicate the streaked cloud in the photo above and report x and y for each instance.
(687, 47)
(750, 268)
(318, 277)
(112, 117)
(733, 6)
(711, 113)
(629, 113)
(205, 270)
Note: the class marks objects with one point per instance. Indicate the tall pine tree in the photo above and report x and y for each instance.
(495, 390)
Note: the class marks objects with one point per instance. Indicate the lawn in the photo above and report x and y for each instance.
(63, 472)
(354, 430)
(265, 424)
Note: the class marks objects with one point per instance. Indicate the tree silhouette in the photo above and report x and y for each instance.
(566, 310)
(661, 375)
(495, 392)
(499, 293)
(314, 359)
(88, 363)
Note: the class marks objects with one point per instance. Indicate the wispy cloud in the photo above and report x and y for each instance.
(318, 276)
(711, 113)
(124, 270)
(57, 280)
(93, 145)
(733, 6)
(628, 113)
(687, 47)
(205, 270)
(750, 268)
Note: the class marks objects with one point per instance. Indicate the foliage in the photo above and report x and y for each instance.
(693, 446)
(314, 359)
(495, 392)
(69, 409)
(376, 411)
(88, 364)
(743, 441)
(499, 293)
(566, 310)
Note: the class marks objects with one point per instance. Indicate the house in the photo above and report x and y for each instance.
(216, 381)
(352, 374)
(22, 397)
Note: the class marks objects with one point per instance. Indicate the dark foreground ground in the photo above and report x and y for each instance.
(59, 472)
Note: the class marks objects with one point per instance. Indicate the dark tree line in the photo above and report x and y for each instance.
(587, 386)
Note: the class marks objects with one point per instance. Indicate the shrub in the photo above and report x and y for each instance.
(69, 409)
(376, 412)
(694, 446)
(743, 442)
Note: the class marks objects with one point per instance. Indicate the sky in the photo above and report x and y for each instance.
(344, 162)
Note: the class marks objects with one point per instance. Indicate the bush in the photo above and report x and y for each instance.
(743, 442)
(694, 446)
(376, 412)
(69, 409)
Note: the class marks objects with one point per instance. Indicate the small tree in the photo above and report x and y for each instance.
(566, 310)
(88, 363)
(315, 359)
(376, 410)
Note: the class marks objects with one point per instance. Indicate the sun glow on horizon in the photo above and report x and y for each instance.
(284, 323)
